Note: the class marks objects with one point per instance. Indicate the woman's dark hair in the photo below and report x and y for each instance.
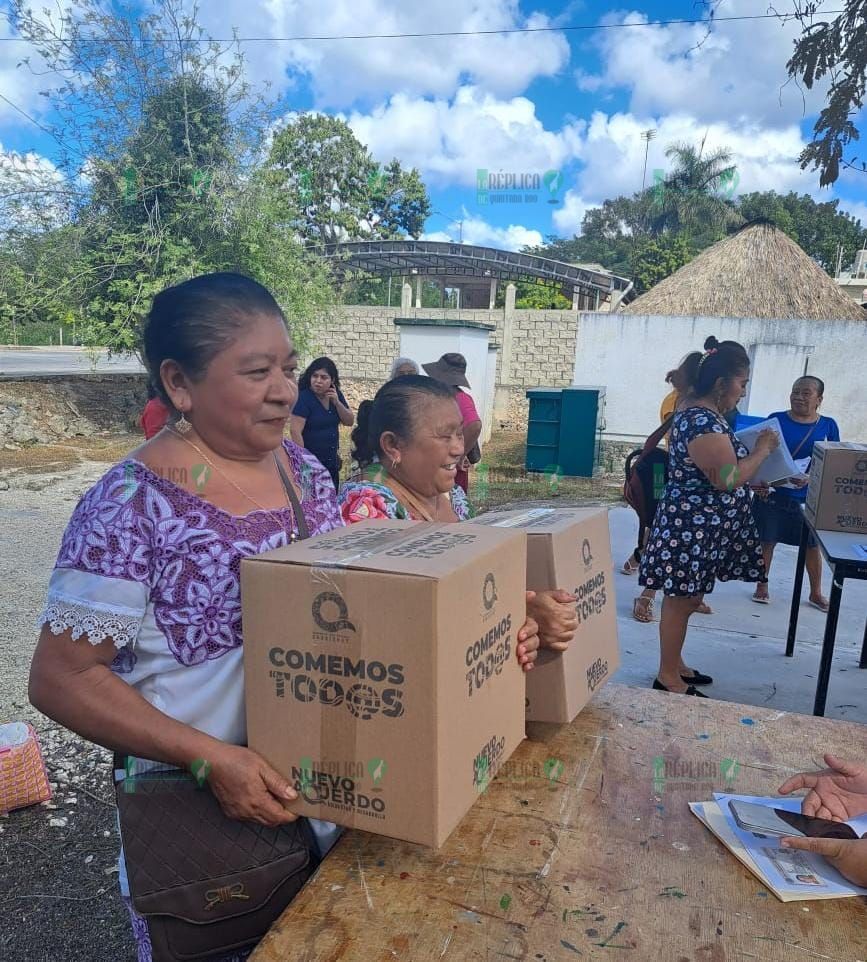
(192, 322)
(152, 391)
(393, 409)
(722, 359)
(320, 364)
(820, 384)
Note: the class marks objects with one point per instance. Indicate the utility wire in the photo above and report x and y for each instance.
(709, 21)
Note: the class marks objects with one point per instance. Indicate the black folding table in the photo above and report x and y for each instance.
(842, 553)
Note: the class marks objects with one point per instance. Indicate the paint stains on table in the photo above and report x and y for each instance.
(672, 892)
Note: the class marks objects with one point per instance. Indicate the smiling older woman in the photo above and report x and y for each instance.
(140, 649)
(409, 443)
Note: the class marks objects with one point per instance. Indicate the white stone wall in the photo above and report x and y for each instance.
(630, 355)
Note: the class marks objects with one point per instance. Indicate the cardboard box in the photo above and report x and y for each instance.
(837, 496)
(569, 548)
(381, 675)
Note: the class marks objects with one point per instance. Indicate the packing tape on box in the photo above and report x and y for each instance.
(525, 517)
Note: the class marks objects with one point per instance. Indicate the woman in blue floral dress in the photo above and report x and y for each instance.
(704, 530)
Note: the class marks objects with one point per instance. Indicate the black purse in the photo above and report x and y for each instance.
(207, 884)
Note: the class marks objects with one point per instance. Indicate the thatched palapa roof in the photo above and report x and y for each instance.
(757, 272)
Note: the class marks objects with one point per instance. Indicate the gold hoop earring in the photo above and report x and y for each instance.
(182, 425)
(395, 462)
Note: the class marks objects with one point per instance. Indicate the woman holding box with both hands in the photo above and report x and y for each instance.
(409, 443)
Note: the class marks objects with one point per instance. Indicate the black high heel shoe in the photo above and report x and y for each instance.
(692, 690)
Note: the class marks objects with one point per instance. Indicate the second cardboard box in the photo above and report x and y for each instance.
(569, 548)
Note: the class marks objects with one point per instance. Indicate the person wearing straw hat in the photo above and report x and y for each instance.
(451, 369)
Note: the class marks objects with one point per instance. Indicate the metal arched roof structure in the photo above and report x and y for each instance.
(433, 258)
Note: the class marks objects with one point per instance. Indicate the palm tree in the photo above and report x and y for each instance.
(695, 199)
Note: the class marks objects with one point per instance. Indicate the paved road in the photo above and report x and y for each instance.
(70, 361)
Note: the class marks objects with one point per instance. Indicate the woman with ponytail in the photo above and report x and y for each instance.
(703, 530)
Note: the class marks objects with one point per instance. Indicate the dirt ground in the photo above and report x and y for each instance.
(58, 861)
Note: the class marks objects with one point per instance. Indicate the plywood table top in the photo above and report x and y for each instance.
(583, 847)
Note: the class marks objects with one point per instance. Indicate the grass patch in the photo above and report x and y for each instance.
(501, 478)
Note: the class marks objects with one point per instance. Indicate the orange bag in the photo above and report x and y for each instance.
(23, 778)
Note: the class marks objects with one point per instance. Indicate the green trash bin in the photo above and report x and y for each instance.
(564, 430)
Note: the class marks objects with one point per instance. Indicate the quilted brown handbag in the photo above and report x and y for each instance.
(205, 883)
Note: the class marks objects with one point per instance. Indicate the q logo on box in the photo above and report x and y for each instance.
(586, 554)
(489, 591)
(341, 623)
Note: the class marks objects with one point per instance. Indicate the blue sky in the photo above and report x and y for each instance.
(524, 104)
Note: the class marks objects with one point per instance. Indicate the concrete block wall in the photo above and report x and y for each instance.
(534, 348)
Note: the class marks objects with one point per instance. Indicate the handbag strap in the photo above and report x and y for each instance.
(408, 499)
(805, 438)
(657, 436)
(300, 520)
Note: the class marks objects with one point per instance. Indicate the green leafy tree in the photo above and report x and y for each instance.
(161, 135)
(835, 48)
(820, 228)
(337, 188)
(658, 257)
(695, 197)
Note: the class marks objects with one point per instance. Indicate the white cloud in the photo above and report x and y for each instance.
(479, 231)
(613, 153)
(18, 83)
(857, 208)
(736, 73)
(567, 219)
(343, 72)
(450, 139)
(34, 190)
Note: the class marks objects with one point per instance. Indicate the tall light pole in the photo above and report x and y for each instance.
(646, 136)
(454, 220)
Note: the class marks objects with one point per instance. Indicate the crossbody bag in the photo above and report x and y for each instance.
(207, 884)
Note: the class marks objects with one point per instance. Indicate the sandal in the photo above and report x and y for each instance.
(642, 610)
(704, 609)
(630, 567)
(762, 599)
(822, 604)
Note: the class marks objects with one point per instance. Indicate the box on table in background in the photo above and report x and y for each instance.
(569, 548)
(837, 496)
(381, 674)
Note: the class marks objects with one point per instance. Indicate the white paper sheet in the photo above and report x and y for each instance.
(778, 465)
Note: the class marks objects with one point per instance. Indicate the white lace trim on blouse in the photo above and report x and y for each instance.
(76, 602)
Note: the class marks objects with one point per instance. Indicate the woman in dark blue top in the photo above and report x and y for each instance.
(320, 410)
(779, 518)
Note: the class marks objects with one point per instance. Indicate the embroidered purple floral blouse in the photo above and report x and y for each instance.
(157, 569)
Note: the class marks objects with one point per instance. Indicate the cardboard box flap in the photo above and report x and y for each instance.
(538, 520)
(428, 550)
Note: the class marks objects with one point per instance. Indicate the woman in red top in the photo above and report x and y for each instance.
(451, 369)
(155, 414)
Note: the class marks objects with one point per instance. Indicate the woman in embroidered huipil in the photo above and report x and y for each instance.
(140, 648)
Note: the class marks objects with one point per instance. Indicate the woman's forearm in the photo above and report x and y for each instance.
(747, 468)
(347, 418)
(102, 708)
